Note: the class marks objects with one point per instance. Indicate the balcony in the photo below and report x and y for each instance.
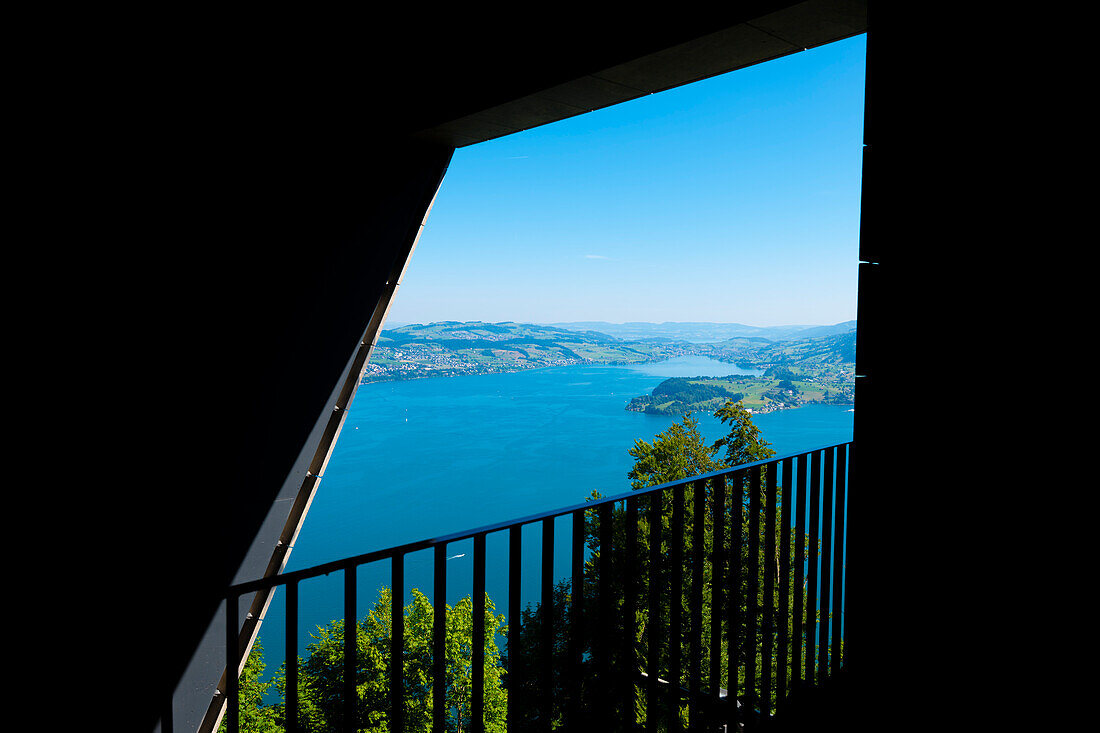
(755, 553)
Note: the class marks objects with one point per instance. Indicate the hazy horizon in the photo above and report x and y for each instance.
(392, 323)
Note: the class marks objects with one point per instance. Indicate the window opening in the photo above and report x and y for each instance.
(652, 232)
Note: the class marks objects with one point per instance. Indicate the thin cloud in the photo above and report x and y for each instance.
(596, 257)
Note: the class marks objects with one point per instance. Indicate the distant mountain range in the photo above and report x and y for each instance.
(702, 332)
(452, 348)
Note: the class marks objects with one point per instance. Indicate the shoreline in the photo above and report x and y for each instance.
(588, 362)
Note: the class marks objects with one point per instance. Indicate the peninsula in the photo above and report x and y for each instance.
(795, 373)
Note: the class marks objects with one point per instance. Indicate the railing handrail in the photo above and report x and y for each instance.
(419, 545)
(819, 474)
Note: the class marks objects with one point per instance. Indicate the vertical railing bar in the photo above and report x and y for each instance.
(695, 603)
(350, 634)
(576, 639)
(653, 642)
(439, 640)
(547, 645)
(605, 622)
(826, 563)
(733, 609)
(232, 664)
(838, 556)
(397, 644)
(630, 582)
(768, 621)
(784, 583)
(717, 565)
(799, 574)
(675, 600)
(752, 605)
(515, 683)
(292, 656)
(811, 562)
(477, 676)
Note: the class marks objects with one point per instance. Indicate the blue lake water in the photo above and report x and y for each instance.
(427, 457)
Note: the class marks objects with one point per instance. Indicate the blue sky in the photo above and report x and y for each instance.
(734, 199)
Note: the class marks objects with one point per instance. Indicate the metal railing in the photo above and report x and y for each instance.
(736, 604)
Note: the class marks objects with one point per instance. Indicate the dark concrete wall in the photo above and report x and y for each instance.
(913, 622)
(249, 331)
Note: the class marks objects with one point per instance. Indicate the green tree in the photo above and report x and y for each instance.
(743, 443)
(321, 673)
(674, 454)
(678, 453)
(254, 715)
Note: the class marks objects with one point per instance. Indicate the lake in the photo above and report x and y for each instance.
(427, 457)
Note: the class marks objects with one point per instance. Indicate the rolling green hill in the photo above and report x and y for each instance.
(451, 348)
(819, 368)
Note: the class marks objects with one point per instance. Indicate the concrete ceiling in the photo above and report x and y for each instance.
(762, 31)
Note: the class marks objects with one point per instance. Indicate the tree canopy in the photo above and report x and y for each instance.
(743, 443)
(678, 453)
(321, 673)
(674, 454)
